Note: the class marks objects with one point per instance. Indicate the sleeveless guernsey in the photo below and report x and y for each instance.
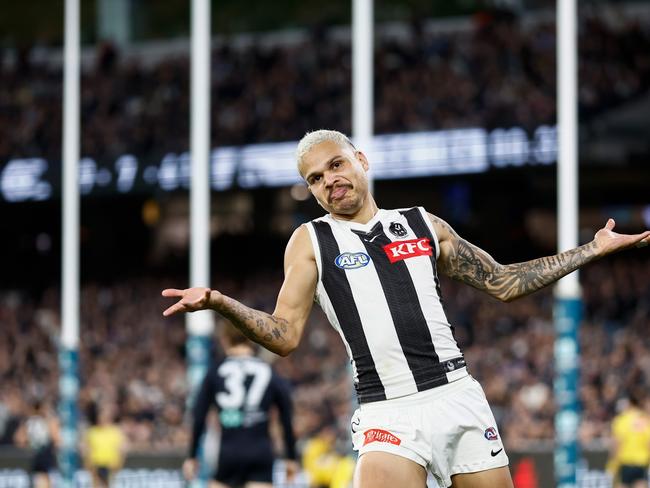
(378, 285)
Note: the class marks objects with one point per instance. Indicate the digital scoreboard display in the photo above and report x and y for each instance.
(393, 156)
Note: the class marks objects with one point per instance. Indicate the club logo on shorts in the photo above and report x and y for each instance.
(400, 250)
(397, 229)
(379, 435)
(352, 260)
(491, 434)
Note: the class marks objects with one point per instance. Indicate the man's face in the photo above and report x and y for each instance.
(336, 176)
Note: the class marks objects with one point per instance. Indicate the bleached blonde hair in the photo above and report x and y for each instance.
(311, 139)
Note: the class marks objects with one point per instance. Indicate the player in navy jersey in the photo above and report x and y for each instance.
(41, 433)
(375, 274)
(244, 389)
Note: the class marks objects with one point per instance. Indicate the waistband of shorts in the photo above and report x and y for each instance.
(425, 396)
(453, 364)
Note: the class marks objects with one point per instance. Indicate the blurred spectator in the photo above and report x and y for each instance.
(325, 466)
(104, 446)
(630, 450)
(12, 408)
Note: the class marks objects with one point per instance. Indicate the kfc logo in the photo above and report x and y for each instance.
(379, 435)
(400, 250)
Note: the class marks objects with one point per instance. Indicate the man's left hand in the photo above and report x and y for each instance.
(607, 241)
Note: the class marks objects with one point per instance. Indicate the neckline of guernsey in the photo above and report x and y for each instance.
(367, 226)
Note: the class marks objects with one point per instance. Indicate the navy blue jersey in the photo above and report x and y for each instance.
(244, 389)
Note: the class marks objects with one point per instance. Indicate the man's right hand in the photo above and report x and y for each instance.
(191, 299)
(190, 468)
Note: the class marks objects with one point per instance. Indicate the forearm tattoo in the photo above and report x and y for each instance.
(471, 265)
(260, 327)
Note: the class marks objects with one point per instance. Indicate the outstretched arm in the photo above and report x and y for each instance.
(465, 262)
(280, 331)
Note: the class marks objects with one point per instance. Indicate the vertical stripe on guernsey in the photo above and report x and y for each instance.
(369, 386)
(416, 222)
(431, 296)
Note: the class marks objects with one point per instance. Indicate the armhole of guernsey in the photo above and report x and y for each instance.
(425, 216)
(316, 247)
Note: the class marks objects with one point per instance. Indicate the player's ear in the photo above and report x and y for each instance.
(363, 160)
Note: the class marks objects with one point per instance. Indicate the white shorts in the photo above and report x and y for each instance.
(449, 430)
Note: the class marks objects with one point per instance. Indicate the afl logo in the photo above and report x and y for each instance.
(397, 229)
(491, 434)
(352, 260)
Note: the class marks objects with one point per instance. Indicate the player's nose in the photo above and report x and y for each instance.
(330, 179)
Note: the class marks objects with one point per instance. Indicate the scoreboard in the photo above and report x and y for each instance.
(392, 156)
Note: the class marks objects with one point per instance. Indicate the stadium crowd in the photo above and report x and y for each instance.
(133, 359)
(425, 80)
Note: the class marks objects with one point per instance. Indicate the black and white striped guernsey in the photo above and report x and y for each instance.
(379, 287)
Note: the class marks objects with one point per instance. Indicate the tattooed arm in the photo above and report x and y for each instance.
(467, 263)
(280, 331)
